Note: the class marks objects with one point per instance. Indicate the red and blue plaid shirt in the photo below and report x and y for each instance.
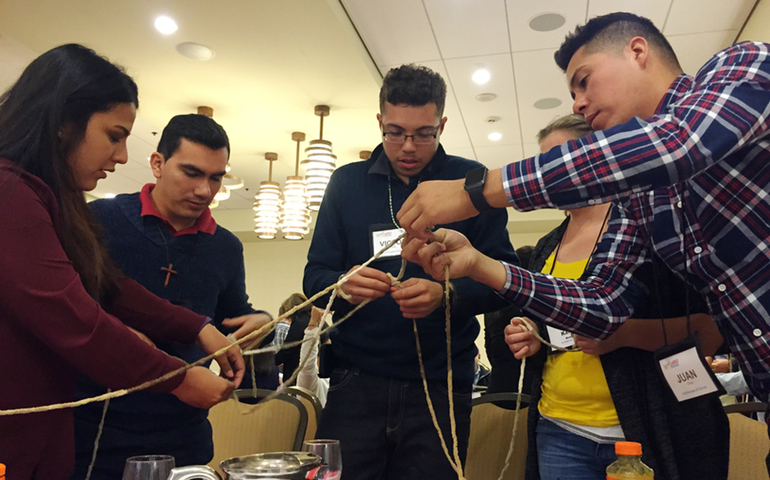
(693, 184)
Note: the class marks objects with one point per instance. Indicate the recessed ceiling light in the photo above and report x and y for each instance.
(486, 97)
(481, 76)
(547, 22)
(196, 51)
(165, 25)
(109, 195)
(547, 103)
(495, 136)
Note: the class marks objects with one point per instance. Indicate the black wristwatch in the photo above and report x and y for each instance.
(474, 185)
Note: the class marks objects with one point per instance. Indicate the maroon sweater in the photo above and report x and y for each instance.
(51, 329)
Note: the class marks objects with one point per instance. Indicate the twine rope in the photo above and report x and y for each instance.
(269, 326)
(264, 330)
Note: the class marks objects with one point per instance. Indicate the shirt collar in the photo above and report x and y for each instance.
(205, 223)
(681, 85)
(382, 165)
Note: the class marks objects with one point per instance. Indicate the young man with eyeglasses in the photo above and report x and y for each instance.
(376, 405)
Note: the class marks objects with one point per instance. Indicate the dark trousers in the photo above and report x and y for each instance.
(385, 428)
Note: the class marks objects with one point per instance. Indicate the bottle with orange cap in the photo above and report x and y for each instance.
(629, 464)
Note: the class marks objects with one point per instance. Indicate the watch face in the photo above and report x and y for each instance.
(475, 177)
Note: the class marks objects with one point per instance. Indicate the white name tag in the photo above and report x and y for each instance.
(687, 375)
(560, 338)
(380, 238)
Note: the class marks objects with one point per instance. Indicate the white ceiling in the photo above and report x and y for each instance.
(276, 59)
(457, 37)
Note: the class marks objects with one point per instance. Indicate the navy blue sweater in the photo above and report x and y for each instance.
(210, 280)
(378, 339)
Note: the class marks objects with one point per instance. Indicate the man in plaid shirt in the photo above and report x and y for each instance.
(687, 158)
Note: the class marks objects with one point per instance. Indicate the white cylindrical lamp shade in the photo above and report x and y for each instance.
(319, 165)
(295, 218)
(267, 204)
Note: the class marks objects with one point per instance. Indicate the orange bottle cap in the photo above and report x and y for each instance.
(628, 448)
(2, 470)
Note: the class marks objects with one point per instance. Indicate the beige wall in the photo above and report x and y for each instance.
(274, 271)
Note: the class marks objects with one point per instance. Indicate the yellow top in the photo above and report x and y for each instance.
(574, 387)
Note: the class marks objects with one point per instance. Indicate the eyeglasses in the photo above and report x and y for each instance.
(417, 138)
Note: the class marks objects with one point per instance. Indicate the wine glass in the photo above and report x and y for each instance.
(148, 467)
(331, 456)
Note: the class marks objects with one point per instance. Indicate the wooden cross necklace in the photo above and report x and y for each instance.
(170, 269)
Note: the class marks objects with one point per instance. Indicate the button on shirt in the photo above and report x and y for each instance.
(703, 165)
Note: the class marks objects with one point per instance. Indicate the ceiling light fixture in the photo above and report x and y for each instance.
(481, 76)
(109, 195)
(495, 136)
(165, 25)
(267, 203)
(319, 164)
(486, 97)
(547, 22)
(547, 103)
(232, 182)
(222, 194)
(295, 220)
(195, 51)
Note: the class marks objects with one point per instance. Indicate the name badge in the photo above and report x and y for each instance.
(381, 237)
(560, 338)
(685, 371)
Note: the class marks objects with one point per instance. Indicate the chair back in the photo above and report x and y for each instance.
(312, 405)
(491, 430)
(250, 427)
(749, 443)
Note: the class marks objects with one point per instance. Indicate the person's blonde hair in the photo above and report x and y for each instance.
(575, 124)
(291, 302)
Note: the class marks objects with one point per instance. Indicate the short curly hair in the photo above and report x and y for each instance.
(611, 33)
(415, 86)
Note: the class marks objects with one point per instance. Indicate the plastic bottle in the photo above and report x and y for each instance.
(629, 464)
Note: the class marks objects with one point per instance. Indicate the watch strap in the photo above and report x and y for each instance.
(474, 184)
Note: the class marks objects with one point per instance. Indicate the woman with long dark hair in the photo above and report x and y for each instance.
(63, 126)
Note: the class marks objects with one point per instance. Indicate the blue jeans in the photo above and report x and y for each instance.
(563, 455)
(385, 429)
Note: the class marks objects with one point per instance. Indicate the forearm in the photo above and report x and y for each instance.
(647, 334)
(308, 376)
(489, 271)
(594, 309)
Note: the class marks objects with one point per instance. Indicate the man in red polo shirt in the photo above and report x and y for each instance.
(165, 238)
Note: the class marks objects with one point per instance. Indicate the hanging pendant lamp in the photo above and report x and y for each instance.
(319, 164)
(295, 219)
(267, 203)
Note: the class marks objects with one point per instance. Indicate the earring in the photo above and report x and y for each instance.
(59, 133)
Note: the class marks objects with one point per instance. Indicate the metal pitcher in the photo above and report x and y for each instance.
(261, 466)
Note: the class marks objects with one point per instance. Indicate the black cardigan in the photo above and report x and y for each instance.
(680, 441)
